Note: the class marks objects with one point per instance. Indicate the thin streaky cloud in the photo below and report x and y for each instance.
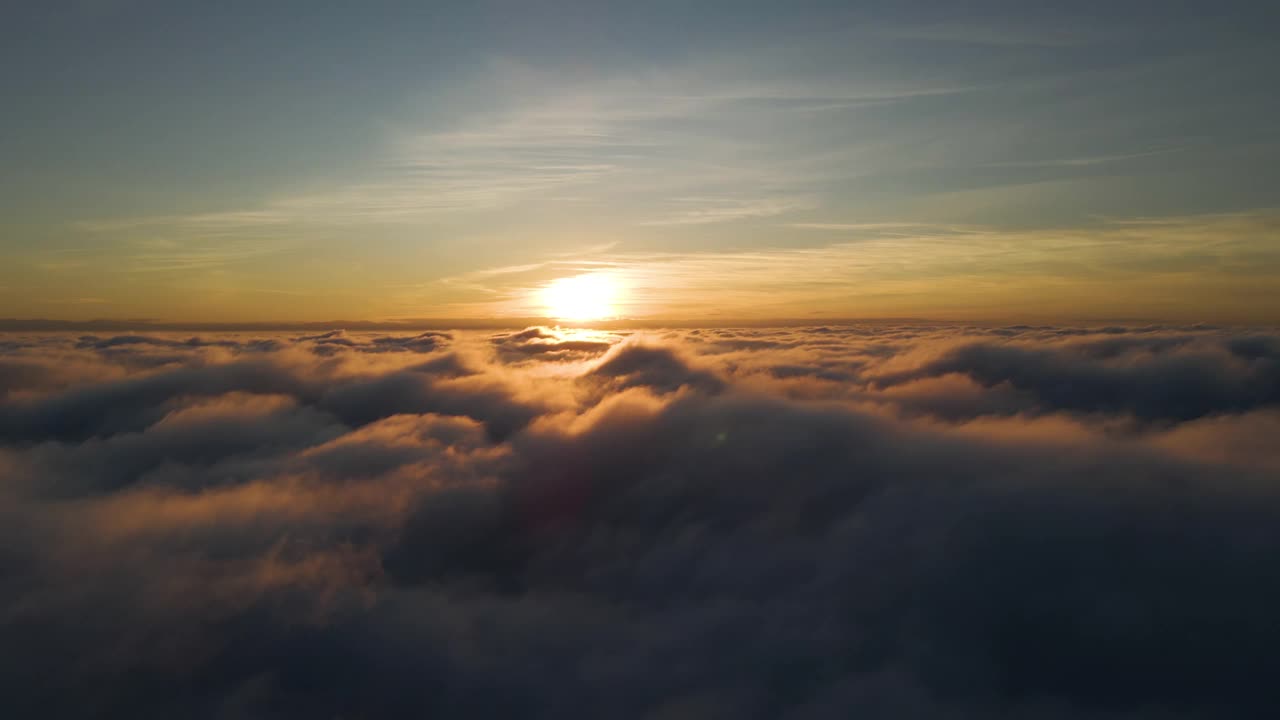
(596, 143)
(1087, 160)
(992, 265)
(701, 211)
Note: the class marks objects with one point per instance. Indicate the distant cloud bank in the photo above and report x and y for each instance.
(885, 520)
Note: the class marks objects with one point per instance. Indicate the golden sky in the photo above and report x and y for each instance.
(771, 162)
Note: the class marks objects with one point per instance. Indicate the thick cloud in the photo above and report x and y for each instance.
(1151, 378)
(654, 367)
(880, 521)
(547, 344)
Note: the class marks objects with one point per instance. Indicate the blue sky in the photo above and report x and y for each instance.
(319, 160)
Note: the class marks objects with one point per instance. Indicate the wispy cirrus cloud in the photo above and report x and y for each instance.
(1214, 264)
(705, 210)
(639, 147)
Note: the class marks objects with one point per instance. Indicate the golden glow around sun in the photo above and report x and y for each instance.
(581, 298)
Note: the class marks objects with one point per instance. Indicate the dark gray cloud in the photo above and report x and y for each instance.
(889, 521)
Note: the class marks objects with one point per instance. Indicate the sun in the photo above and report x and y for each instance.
(581, 298)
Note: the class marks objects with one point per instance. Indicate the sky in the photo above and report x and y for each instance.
(289, 161)
(717, 359)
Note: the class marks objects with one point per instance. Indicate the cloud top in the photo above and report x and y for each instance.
(897, 520)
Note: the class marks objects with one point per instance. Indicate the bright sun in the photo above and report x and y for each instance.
(581, 297)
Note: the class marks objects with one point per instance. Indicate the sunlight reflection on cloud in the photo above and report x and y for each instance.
(544, 517)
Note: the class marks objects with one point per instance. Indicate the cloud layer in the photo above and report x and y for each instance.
(880, 520)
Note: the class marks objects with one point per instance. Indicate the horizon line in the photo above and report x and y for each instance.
(410, 324)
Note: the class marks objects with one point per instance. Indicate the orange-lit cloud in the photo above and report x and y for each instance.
(189, 516)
